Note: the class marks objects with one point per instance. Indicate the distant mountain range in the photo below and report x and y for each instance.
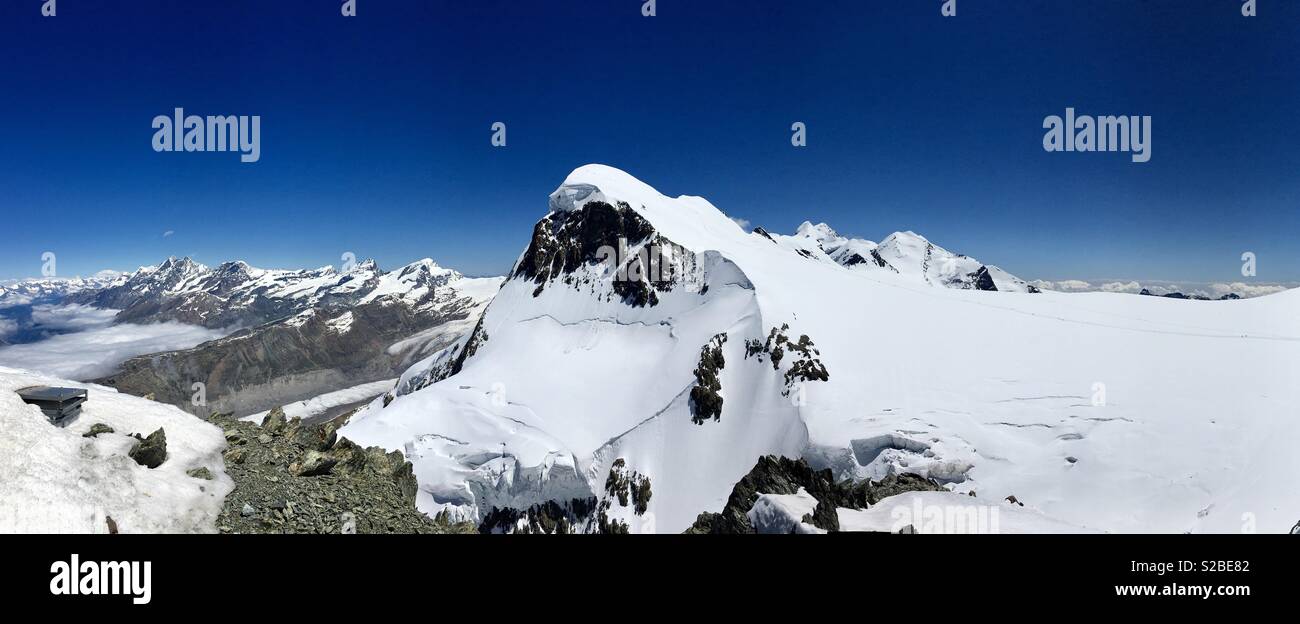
(904, 253)
(294, 334)
(765, 383)
(53, 289)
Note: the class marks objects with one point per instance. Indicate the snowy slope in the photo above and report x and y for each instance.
(53, 480)
(950, 513)
(1113, 412)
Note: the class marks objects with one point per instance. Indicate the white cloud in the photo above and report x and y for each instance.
(743, 223)
(66, 318)
(96, 346)
(168, 233)
(1073, 285)
(108, 274)
(7, 326)
(1246, 290)
(1212, 290)
(1122, 287)
(1063, 285)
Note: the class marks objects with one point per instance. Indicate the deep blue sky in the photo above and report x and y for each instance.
(375, 129)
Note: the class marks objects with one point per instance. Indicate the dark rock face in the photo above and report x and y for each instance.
(566, 241)
(706, 402)
(625, 484)
(150, 452)
(578, 515)
(806, 364)
(881, 262)
(981, 280)
(315, 463)
(1178, 295)
(292, 477)
(548, 518)
(852, 260)
(782, 475)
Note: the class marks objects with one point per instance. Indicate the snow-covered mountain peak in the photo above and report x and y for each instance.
(180, 266)
(585, 183)
(365, 266)
(426, 266)
(819, 232)
(854, 364)
(689, 221)
(699, 226)
(238, 270)
(905, 242)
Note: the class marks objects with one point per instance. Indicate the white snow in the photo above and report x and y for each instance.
(319, 405)
(340, 324)
(783, 513)
(53, 480)
(1109, 411)
(949, 513)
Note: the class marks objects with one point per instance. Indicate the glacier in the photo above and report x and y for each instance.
(1100, 411)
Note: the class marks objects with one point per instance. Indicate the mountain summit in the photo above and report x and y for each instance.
(584, 375)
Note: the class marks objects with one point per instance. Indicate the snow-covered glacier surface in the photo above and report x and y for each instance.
(56, 480)
(1106, 411)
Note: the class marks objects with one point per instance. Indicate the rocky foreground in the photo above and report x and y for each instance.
(292, 477)
(295, 477)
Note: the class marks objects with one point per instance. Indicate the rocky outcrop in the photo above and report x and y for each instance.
(981, 280)
(547, 518)
(150, 452)
(623, 487)
(782, 475)
(706, 400)
(293, 477)
(600, 233)
(97, 429)
(805, 358)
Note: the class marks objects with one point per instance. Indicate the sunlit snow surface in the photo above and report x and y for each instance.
(1107, 411)
(318, 406)
(53, 480)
